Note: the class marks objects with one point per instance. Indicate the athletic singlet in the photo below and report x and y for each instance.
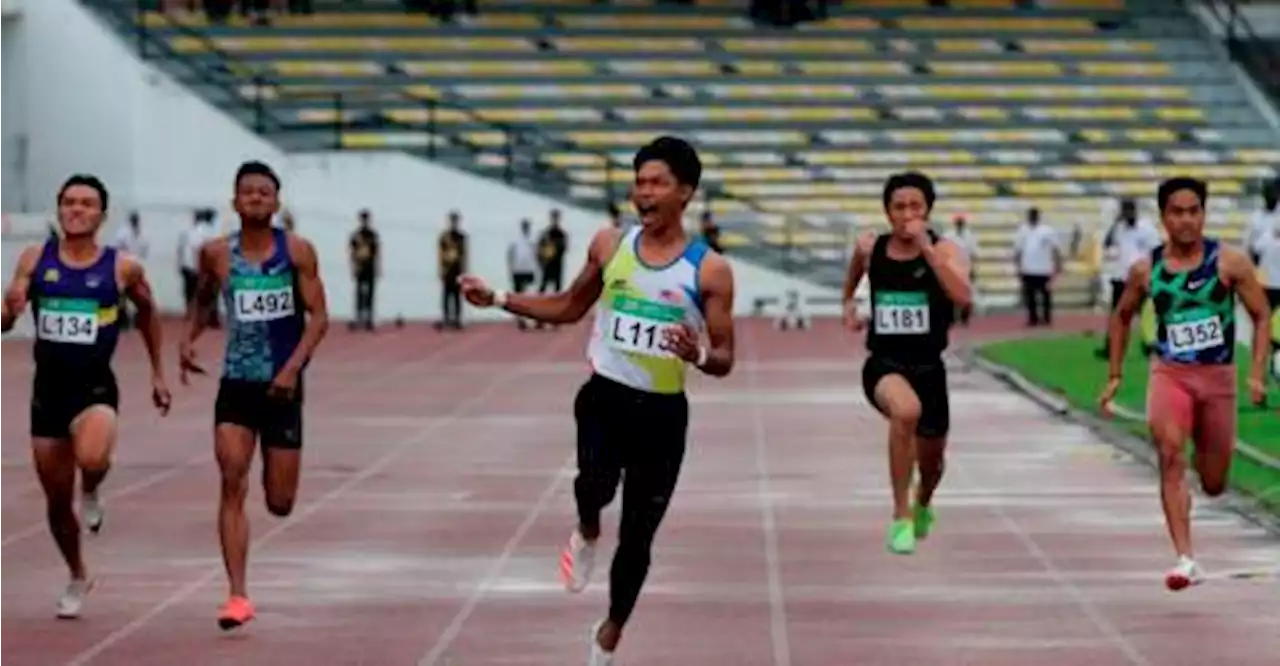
(265, 315)
(910, 313)
(636, 304)
(1195, 311)
(76, 311)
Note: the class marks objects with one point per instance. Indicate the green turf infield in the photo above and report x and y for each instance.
(1066, 366)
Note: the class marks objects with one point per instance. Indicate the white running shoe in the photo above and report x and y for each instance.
(1184, 575)
(598, 655)
(577, 562)
(73, 598)
(93, 512)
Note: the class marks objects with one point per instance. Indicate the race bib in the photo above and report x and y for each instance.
(901, 312)
(636, 326)
(1193, 331)
(262, 297)
(68, 320)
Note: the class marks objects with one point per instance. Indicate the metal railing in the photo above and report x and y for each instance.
(1245, 45)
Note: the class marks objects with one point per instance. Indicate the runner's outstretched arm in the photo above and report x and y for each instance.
(138, 289)
(565, 307)
(15, 297)
(1244, 276)
(311, 288)
(952, 269)
(717, 295)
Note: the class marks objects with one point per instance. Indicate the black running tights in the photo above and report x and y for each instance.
(637, 438)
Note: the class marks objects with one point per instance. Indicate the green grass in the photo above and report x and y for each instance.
(1067, 366)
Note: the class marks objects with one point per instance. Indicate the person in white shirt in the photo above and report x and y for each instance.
(1037, 255)
(130, 239)
(1264, 219)
(201, 231)
(522, 263)
(964, 239)
(1129, 240)
(1266, 249)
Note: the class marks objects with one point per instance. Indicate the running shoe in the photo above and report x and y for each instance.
(1184, 575)
(599, 657)
(235, 612)
(902, 537)
(73, 598)
(924, 518)
(577, 562)
(93, 512)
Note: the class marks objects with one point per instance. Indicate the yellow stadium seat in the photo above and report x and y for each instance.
(488, 19)
(600, 138)
(423, 115)
(747, 114)
(996, 68)
(268, 44)
(993, 113)
(1077, 113)
(551, 90)
(752, 137)
(390, 140)
(488, 139)
(1047, 188)
(497, 67)
(1150, 172)
(327, 68)
(555, 115)
(1258, 156)
(803, 238)
(894, 158)
(1181, 114)
(968, 46)
(1090, 46)
(1153, 135)
(664, 67)
(422, 91)
(854, 68)
(845, 24)
(1028, 92)
(649, 22)
(759, 67)
(1115, 156)
(629, 43)
(776, 46)
(782, 91)
(1000, 24)
(1082, 4)
(1126, 69)
(976, 136)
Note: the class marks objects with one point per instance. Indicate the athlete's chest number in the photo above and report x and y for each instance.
(637, 326)
(1195, 335)
(69, 321)
(262, 298)
(901, 313)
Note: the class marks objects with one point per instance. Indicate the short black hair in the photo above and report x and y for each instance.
(86, 180)
(679, 156)
(907, 179)
(256, 168)
(1168, 187)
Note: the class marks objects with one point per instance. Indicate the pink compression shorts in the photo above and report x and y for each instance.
(1200, 399)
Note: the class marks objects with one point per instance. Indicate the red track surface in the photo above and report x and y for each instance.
(436, 496)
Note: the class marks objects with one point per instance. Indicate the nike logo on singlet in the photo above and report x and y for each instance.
(1195, 284)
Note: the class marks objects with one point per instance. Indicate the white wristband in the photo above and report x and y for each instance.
(499, 298)
(702, 357)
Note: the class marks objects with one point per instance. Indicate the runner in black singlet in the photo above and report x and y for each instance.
(74, 286)
(917, 282)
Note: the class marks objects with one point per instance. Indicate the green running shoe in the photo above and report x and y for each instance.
(902, 537)
(924, 520)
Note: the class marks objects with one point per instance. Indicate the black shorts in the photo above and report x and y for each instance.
(928, 379)
(57, 398)
(276, 421)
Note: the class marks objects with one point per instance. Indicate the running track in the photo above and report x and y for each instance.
(436, 496)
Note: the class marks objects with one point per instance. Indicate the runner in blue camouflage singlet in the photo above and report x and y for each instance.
(276, 316)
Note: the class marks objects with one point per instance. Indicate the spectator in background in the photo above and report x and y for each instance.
(711, 232)
(1264, 219)
(1037, 256)
(201, 231)
(452, 258)
(366, 268)
(1128, 240)
(130, 239)
(522, 263)
(964, 239)
(552, 246)
(615, 216)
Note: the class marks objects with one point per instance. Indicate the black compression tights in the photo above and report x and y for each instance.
(642, 435)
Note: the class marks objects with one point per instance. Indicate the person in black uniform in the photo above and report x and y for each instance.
(918, 280)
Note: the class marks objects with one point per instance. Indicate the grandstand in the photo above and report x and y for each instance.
(1060, 104)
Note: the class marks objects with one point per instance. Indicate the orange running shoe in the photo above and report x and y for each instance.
(237, 611)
